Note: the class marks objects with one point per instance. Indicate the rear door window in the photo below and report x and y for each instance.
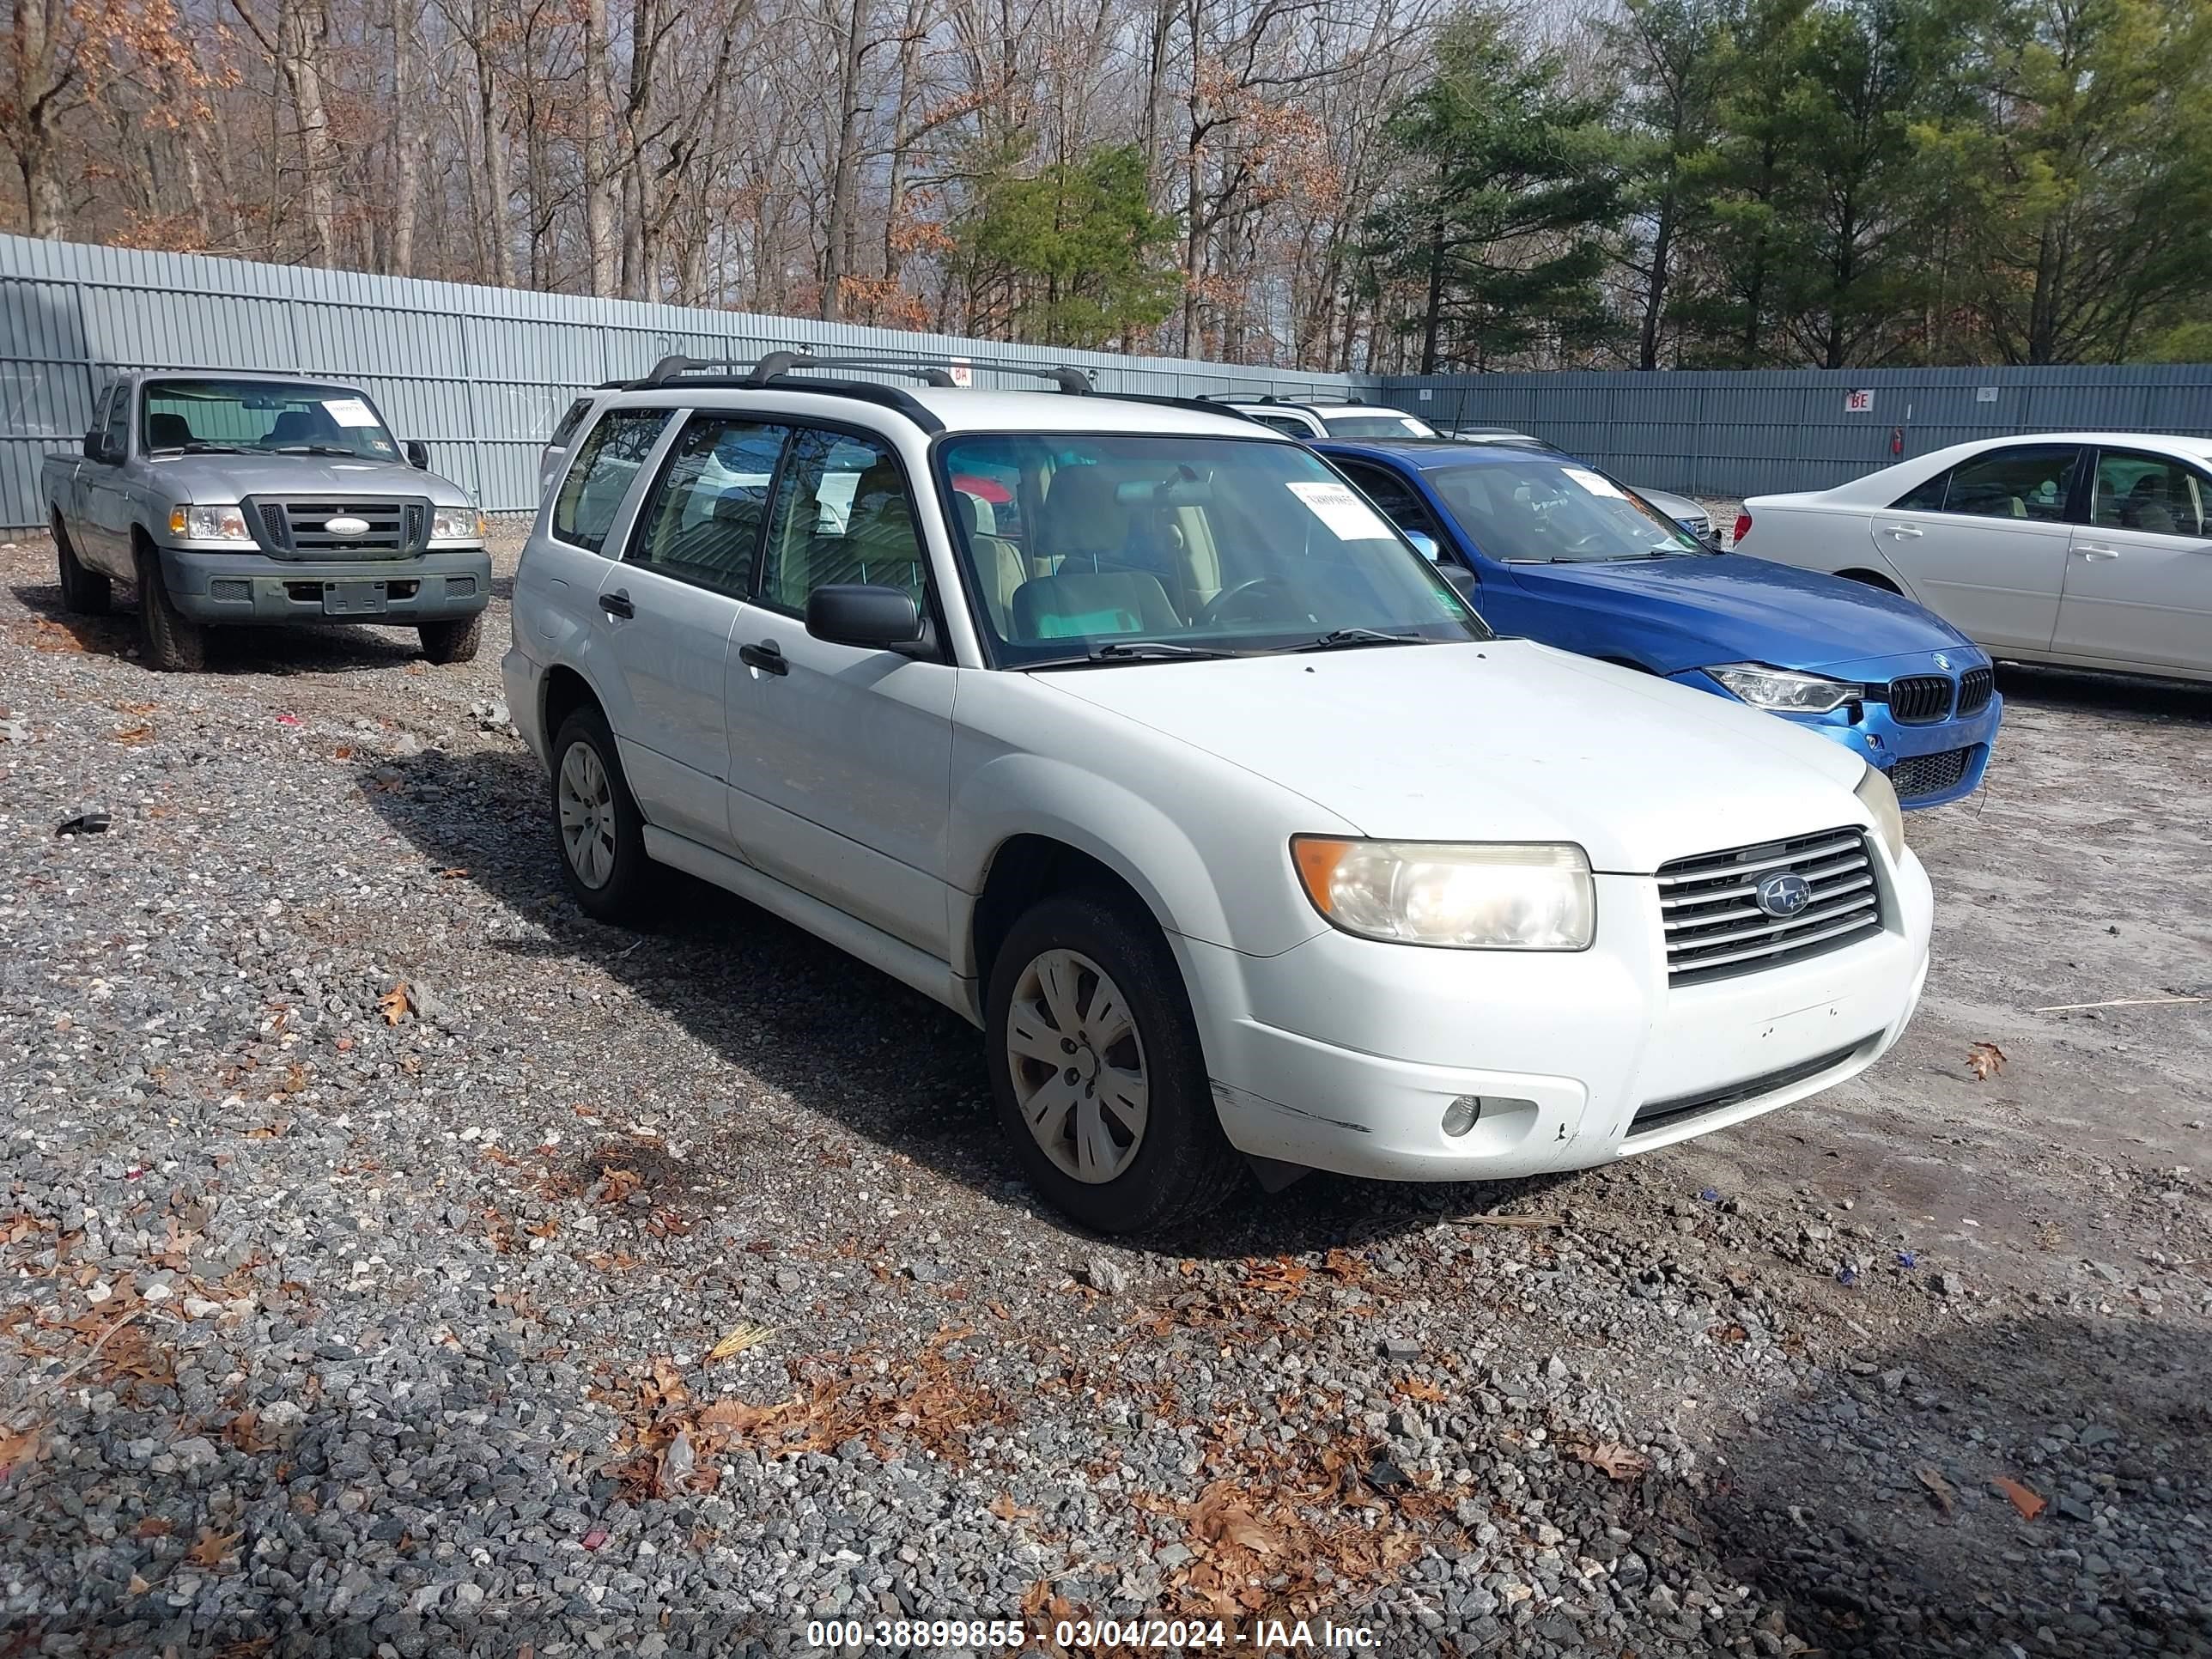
(2150, 493)
(604, 467)
(703, 525)
(2030, 481)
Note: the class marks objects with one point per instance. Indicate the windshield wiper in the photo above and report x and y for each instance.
(196, 447)
(1137, 651)
(1338, 639)
(315, 449)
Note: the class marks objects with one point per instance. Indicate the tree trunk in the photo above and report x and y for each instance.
(406, 138)
(598, 223)
(1655, 293)
(302, 34)
(1433, 315)
(844, 165)
(497, 203)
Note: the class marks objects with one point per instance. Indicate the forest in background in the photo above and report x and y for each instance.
(1388, 185)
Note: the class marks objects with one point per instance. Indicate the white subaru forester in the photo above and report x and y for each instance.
(1130, 730)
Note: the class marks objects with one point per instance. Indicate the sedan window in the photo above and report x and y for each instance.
(2029, 482)
(2147, 493)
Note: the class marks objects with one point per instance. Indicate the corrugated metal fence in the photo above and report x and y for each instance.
(1740, 433)
(480, 374)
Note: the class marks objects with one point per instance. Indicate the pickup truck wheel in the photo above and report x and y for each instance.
(85, 593)
(598, 830)
(452, 642)
(1096, 1064)
(173, 641)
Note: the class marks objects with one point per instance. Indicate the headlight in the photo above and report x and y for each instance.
(1879, 797)
(456, 524)
(209, 524)
(1785, 693)
(1478, 897)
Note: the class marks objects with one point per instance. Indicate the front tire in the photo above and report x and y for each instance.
(173, 641)
(84, 593)
(599, 834)
(1097, 1070)
(452, 642)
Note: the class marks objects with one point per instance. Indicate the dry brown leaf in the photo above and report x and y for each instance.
(1281, 1277)
(453, 874)
(141, 732)
(1938, 1488)
(1985, 1061)
(1615, 1460)
(1008, 1511)
(153, 1526)
(1221, 1516)
(213, 1546)
(18, 1448)
(395, 1002)
(739, 1338)
(2029, 1504)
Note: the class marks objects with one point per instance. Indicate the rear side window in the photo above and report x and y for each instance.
(571, 423)
(2149, 493)
(2031, 482)
(1926, 496)
(601, 473)
(703, 525)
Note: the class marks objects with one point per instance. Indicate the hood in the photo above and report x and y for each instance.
(1730, 607)
(1505, 740)
(233, 477)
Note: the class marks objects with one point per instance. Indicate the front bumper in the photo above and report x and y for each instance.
(250, 587)
(1344, 1054)
(1946, 758)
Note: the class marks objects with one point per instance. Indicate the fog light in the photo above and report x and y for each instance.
(1459, 1116)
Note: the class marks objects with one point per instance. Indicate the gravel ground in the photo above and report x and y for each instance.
(398, 1263)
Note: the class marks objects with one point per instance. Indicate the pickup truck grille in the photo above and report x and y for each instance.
(1715, 928)
(398, 527)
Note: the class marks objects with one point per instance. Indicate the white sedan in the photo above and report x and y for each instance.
(2086, 548)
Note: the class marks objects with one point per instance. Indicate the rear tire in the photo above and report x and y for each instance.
(452, 642)
(599, 834)
(84, 593)
(1091, 1039)
(173, 641)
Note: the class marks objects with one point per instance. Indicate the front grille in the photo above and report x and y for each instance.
(1916, 775)
(1659, 1113)
(1715, 928)
(230, 588)
(396, 527)
(1975, 686)
(1919, 699)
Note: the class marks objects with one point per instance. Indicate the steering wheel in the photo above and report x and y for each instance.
(1211, 612)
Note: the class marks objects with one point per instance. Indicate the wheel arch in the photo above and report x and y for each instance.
(1872, 578)
(560, 692)
(1027, 868)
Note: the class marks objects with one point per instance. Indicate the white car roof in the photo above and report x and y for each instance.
(965, 409)
(1884, 485)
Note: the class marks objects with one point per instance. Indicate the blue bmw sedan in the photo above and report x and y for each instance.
(1554, 551)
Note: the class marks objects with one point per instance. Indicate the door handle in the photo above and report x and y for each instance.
(2097, 550)
(1905, 530)
(618, 603)
(767, 656)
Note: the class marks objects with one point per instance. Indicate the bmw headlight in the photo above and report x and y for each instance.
(456, 524)
(1784, 692)
(1876, 794)
(1467, 896)
(209, 524)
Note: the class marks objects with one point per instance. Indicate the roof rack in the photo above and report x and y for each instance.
(1166, 400)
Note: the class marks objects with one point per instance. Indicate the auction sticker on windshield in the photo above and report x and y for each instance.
(349, 411)
(1335, 506)
(1594, 482)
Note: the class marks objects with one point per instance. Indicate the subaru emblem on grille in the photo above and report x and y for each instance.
(346, 526)
(1781, 893)
(1942, 662)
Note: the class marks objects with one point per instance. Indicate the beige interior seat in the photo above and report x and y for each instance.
(999, 563)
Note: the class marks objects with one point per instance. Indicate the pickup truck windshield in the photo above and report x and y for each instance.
(1536, 510)
(1113, 548)
(276, 417)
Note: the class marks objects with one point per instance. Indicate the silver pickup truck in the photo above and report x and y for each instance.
(235, 498)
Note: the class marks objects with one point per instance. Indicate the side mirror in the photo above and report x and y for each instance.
(871, 617)
(1424, 544)
(91, 450)
(418, 454)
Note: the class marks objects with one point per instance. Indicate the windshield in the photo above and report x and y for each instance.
(1200, 545)
(268, 416)
(1378, 425)
(1535, 510)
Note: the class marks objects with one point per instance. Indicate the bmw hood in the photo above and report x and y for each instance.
(1730, 607)
(224, 478)
(1505, 740)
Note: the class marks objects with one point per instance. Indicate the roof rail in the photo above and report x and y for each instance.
(1166, 400)
(779, 363)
